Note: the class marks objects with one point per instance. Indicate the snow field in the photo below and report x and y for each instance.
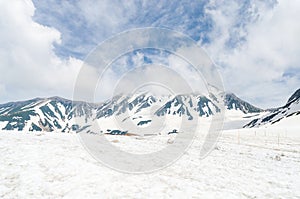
(56, 165)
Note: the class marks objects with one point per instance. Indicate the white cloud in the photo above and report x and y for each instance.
(166, 73)
(157, 78)
(256, 66)
(28, 65)
(255, 46)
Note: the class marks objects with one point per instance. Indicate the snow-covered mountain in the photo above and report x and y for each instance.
(49, 114)
(188, 105)
(276, 115)
(58, 114)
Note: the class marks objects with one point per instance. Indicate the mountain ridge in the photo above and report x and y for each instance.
(291, 108)
(60, 114)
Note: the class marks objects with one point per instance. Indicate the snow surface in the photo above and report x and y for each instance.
(245, 163)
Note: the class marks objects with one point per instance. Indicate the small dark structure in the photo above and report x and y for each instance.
(143, 122)
(174, 131)
(116, 132)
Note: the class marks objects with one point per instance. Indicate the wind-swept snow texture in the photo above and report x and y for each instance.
(245, 163)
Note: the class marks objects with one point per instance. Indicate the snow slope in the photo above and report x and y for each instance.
(245, 163)
(282, 115)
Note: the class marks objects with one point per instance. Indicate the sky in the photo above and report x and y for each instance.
(254, 43)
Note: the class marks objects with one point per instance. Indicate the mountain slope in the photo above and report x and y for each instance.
(189, 105)
(290, 109)
(233, 102)
(58, 114)
(47, 114)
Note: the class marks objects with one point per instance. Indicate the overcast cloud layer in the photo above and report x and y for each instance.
(254, 43)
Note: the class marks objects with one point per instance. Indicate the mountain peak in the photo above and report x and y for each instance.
(294, 97)
(56, 113)
(234, 102)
